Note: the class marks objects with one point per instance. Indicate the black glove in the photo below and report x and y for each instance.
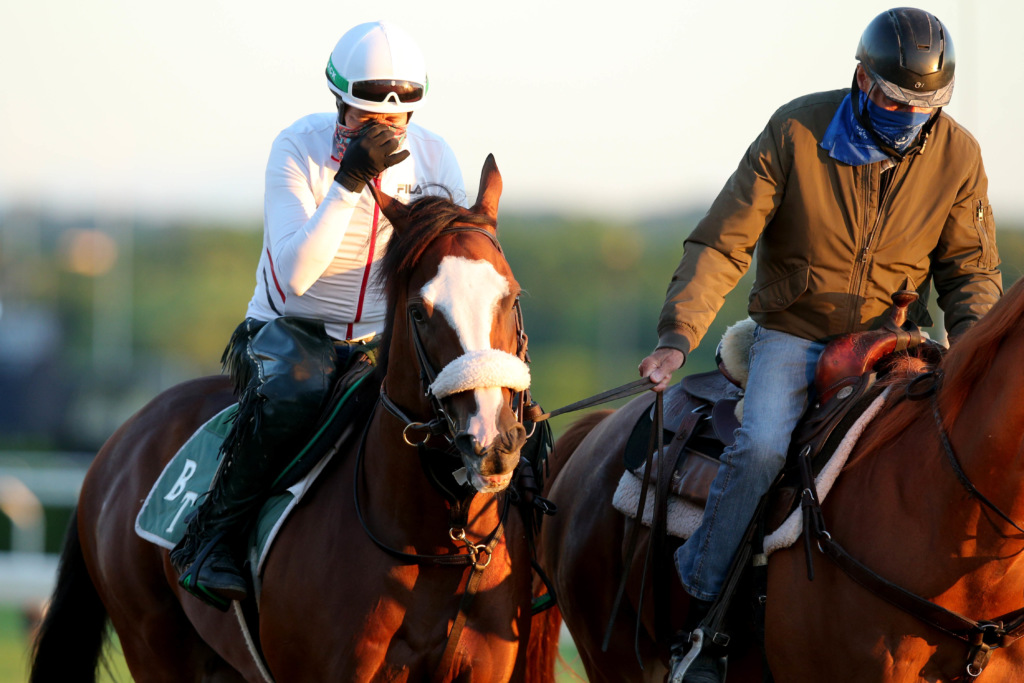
(367, 156)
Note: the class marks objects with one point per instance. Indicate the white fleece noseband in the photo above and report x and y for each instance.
(467, 292)
(482, 369)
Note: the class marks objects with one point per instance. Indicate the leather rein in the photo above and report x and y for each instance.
(983, 636)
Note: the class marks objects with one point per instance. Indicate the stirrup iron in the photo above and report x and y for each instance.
(681, 666)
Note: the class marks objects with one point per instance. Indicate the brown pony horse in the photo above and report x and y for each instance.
(334, 605)
(900, 509)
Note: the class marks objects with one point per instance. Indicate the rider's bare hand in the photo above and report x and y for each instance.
(660, 365)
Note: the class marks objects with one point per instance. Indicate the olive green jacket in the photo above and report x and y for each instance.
(832, 246)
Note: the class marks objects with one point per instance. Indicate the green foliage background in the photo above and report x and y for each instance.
(592, 290)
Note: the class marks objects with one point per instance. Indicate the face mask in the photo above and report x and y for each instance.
(898, 129)
(343, 135)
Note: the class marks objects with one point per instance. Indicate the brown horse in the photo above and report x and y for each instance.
(378, 575)
(900, 509)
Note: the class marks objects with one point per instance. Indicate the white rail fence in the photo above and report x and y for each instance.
(52, 480)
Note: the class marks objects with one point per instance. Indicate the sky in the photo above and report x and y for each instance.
(610, 110)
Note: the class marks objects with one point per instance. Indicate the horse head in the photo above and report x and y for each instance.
(455, 310)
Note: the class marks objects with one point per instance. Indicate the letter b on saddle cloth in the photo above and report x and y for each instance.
(188, 476)
(702, 411)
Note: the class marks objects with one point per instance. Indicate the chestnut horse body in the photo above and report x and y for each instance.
(334, 606)
(899, 508)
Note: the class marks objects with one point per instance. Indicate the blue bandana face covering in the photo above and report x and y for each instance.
(898, 129)
(847, 141)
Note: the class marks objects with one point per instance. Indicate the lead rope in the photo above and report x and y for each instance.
(549, 600)
(656, 441)
(628, 389)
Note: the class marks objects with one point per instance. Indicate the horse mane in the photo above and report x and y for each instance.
(427, 217)
(963, 366)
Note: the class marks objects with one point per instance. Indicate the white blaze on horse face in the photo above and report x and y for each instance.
(467, 294)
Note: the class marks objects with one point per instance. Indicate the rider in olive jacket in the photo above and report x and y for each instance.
(848, 196)
(834, 241)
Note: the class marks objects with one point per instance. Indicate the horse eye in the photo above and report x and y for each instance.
(417, 314)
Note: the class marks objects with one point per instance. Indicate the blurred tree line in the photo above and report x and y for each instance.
(134, 309)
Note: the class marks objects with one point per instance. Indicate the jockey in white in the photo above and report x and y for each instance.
(316, 280)
(320, 239)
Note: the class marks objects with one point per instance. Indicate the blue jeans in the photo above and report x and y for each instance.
(781, 374)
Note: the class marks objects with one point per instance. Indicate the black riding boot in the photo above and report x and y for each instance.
(709, 664)
(206, 555)
(283, 371)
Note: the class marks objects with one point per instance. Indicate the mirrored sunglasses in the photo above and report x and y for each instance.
(381, 91)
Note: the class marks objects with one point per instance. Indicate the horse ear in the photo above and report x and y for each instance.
(490, 189)
(394, 210)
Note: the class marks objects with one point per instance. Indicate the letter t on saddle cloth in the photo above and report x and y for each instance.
(707, 407)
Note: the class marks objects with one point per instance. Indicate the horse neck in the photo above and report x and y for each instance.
(988, 434)
(985, 564)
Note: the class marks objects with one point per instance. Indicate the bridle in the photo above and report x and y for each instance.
(436, 461)
(932, 382)
(437, 464)
(442, 424)
(983, 636)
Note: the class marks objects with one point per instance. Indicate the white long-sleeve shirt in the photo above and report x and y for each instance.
(322, 243)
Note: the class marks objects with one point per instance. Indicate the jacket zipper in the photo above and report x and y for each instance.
(979, 224)
(864, 255)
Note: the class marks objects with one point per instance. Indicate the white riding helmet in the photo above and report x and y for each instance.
(377, 67)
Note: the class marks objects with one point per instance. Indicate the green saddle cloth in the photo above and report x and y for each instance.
(190, 473)
(186, 477)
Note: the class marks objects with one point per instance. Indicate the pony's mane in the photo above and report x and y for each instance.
(426, 218)
(963, 366)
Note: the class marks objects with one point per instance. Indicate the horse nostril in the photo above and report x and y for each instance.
(467, 443)
(514, 439)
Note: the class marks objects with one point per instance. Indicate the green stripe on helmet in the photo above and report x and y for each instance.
(336, 78)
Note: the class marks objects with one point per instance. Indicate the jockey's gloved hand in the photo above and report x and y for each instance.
(367, 157)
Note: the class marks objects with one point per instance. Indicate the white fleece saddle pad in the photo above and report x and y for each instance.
(684, 517)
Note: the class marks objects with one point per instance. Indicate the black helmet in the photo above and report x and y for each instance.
(909, 55)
